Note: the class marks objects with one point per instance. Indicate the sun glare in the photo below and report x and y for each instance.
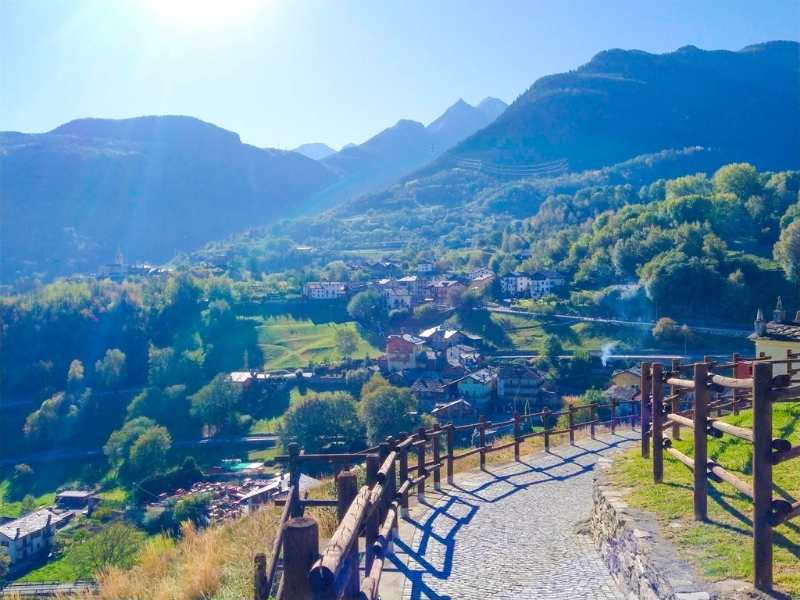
(202, 14)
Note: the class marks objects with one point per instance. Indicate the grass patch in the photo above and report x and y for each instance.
(721, 548)
(289, 343)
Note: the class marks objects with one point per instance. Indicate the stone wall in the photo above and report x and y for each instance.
(644, 564)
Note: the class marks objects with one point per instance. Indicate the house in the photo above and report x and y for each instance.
(627, 378)
(441, 338)
(478, 387)
(324, 290)
(30, 538)
(480, 279)
(414, 285)
(429, 391)
(402, 352)
(515, 284)
(397, 298)
(446, 291)
(777, 337)
(454, 412)
(519, 387)
(462, 355)
(115, 271)
(277, 488)
(543, 283)
(77, 499)
(425, 268)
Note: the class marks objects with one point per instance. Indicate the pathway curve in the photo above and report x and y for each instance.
(510, 532)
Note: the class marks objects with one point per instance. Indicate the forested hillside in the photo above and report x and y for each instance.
(151, 186)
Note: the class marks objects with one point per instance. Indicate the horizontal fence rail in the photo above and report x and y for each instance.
(373, 511)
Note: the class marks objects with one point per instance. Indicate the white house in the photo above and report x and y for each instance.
(515, 284)
(324, 290)
(31, 537)
(543, 283)
(397, 298)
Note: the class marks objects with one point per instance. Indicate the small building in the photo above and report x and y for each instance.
(276, 489)
(543, 283)
(414, 285)
(77, 499)
(455, 411)
(515, 284)
(402, 352)
(627, 378)
(481, 280)
(29, 539)
(478, 387)
(777, 337)
(325, 290)
(446, 291)
(397, 298)
(464, 356)
(519, 387)
(425, 268)
(429, 391)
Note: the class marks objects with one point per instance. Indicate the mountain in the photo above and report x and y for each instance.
(315, 150)
(151, 186)
(625, 103)
(402, 148)
(625, 116)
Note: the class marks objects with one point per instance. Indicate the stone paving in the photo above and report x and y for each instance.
(513, 531)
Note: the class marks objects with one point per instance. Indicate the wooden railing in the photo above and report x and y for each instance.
(663, 419)
(373, 511)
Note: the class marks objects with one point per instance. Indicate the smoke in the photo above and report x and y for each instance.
(605, 352)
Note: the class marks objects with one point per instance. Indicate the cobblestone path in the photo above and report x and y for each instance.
(510, 532)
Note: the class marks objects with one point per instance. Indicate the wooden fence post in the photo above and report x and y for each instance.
(516, 437)
(700, 441)
(421, 464)
(762, 475)
(300, 550)
(451, 434)
(644, 409)
(373, 522)
(571, 423)
(392, 491)
(482, 441)
(546, 422)
(613, 409)
(736, 358)
(260, 591)
(403, 473)
(593, 418)
(437, 471)
(346, 491)
(658, 418)
(294, 479)
(676, 394)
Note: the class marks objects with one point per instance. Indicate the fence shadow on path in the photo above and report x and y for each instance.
(459, 496)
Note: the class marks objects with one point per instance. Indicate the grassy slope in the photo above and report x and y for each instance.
(289, 343)
(721, 548)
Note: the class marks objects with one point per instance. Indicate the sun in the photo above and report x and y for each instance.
(202, 14)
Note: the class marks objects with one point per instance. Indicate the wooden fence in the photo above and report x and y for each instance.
(715, 390)
(372, 512)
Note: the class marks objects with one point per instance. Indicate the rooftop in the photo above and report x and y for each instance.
(31, 523)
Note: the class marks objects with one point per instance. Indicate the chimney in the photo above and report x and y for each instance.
(16, 537)
(760, 325)
(779, 315)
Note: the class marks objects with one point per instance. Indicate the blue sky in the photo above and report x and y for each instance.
(281, 73)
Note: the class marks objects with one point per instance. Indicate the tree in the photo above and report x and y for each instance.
(111, 370)
(386, 411)
(366, 307)
(116, 546)
(217, 403)
(28, 504)
(346, 342)
(148, 454)
(75, 374)
(192, 508)
(739, 179)
(787, 251)
(22, 477)
(319, 417)
(552, 349)
(666, 329)
(117, 448)
(374, 383)
(688, 185)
